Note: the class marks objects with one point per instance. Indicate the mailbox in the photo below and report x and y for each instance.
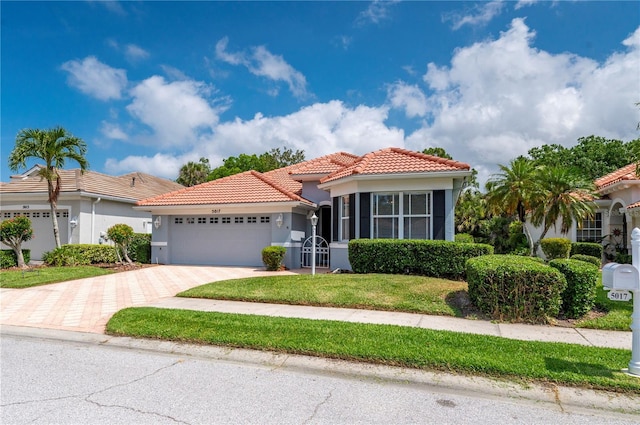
(620, 276)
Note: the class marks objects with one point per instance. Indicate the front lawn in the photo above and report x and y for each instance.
(16, 278)
(607, 314)
(414, 294)
(523, 361)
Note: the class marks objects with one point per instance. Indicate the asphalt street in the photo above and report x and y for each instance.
(47, 381)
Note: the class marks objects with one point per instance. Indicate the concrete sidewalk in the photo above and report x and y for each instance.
(591, 337)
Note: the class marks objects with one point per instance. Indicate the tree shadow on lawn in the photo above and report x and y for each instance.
(460, 303)
(586, 369)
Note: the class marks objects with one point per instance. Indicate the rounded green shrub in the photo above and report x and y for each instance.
(588, 258)
(580, 294)
(140, 248)
(515, 288)
(555, 248)
(272, 257)
(464, 237)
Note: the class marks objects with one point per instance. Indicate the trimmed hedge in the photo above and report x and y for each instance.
(620, 257)
(580, 294)
(8, 258)
(588, 258)
(555, 248)
(587, 248)
(433, 258)
(272, 257)
(80, 255)
(140, 248)
(515, 288)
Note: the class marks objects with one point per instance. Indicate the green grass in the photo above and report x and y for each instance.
(415, 294)
(44, 275)
(617, 314)
(525, 361)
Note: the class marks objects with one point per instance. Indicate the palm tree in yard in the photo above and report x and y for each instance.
(515, 191)
(53, 147)
(567, 198)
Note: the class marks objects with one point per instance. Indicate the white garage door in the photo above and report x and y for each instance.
(219, 240)
(43, 239)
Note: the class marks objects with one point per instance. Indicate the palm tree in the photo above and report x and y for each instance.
(194, 173)
(515, 191)
(54, 147)
(567, 196)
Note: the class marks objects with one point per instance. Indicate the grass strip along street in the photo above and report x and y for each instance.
(525, 361)
(412, 294)
(17, 278)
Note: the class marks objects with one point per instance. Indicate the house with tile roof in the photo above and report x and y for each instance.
(89, 203)
(389, 193)
(617, 211)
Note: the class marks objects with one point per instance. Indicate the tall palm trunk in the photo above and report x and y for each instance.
(53, 202)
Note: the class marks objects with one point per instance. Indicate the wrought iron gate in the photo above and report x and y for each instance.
(322, 252)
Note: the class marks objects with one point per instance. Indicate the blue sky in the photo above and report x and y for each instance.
(152, 85)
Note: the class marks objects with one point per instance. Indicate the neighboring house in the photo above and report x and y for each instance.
(89, 203)
(389, 193)
(617, 212)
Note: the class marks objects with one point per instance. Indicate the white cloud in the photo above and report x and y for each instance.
(178, 112)
(96, 79)
(135, 53)
(317, 129)
(524, 3)
(263, 63)
(407, 97)
(499, 98)
(476, 16)
(113, 131)
(377, 11)
(161, 165)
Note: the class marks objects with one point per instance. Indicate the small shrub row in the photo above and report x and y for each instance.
(587, 248)
(580, 294)
(80, 255)
(435, 258)
(464, 238)
(515, 288)
(588, 258)
(272, 257)
(8, 258)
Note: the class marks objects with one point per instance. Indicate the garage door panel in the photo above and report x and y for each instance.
(231, 244)
(42, 226)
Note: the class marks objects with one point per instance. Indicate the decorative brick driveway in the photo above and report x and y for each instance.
(87, 304)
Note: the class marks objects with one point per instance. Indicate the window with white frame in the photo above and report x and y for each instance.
(591, 229)
(344, 218)
(401, 215)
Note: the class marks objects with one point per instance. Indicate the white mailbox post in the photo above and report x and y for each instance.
(622, 280)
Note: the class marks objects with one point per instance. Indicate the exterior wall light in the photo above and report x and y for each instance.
(73, 222)
(279, 220)
(157, 222)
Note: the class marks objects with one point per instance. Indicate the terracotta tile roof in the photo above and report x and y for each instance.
(396, 161)
(634, 205)
(625, 173)
(247, 187)
(324, 165)
(132, 186)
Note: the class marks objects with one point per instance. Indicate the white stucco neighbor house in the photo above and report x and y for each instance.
(89, 203)
(617, 212)
(389, 193)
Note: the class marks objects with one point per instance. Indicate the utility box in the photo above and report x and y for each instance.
(620, 276)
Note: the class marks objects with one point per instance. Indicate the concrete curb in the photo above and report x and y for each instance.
(565, 399)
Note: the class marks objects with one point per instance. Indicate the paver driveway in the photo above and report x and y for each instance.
(87, 304)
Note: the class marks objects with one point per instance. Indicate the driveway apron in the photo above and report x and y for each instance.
(87, 304)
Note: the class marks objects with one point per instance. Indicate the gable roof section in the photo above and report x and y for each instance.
(396, 161)
(132, 186)
(324, 165)
(247, 187)
(625, 173)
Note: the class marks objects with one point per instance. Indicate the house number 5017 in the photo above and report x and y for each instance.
(216, 211)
